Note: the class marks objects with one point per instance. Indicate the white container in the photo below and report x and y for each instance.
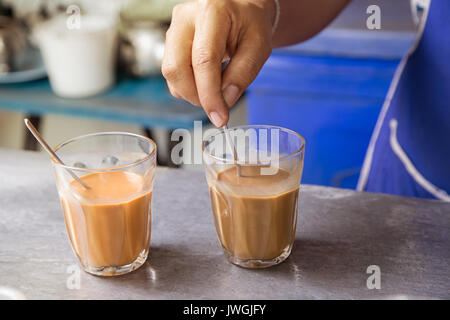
(80, 62)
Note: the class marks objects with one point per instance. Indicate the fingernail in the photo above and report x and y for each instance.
(231, 94)
(216, 119)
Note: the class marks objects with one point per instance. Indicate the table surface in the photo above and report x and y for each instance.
(340, 233)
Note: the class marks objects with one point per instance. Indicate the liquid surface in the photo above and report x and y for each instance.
(108, 187)
(255, 215)
(109, 224)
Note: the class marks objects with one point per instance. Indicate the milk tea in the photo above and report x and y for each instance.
(110, 223)
(255, 215)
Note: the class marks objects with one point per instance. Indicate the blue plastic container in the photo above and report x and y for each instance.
(330, 90)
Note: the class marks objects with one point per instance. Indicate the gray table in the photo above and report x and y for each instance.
(340, 233)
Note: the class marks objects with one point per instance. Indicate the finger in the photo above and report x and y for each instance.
(176, 67)
(173, 92)
(208, 50)
(244, 66)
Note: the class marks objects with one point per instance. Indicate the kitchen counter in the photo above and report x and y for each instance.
(340, 234)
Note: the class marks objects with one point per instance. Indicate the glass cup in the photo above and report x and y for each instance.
(108, 222)
(254, 174)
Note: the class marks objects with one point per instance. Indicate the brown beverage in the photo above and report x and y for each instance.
(255, 214)
(109, 224)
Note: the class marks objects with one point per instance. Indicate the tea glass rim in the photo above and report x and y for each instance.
(233, 161)
(106, 133)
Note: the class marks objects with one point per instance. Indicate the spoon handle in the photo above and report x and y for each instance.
(49, 150)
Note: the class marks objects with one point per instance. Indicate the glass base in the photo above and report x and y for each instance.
(118, 270)
(257, 263)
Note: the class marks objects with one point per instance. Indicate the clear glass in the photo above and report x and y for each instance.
(254, 191)
(109, 223)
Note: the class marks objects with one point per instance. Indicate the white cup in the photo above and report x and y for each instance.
(80, 59)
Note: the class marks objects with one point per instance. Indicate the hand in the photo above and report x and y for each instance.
(205, 33)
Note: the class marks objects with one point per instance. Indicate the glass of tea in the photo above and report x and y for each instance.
(254, 174)
(108, 213)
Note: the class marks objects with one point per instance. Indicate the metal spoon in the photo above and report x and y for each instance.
(232, 147)
(49, 150)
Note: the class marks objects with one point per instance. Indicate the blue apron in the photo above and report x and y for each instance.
(409, 153)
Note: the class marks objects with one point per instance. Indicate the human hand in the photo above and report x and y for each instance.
(205, 33)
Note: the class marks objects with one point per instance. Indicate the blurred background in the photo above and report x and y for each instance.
(77, 67)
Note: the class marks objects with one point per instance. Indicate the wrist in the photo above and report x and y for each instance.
(271, 9)
(276, 18)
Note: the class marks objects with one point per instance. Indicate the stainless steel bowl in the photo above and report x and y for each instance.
(13, 42)
(141, 47)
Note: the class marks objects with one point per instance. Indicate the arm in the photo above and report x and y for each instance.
(204, 33)
(301, 20)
